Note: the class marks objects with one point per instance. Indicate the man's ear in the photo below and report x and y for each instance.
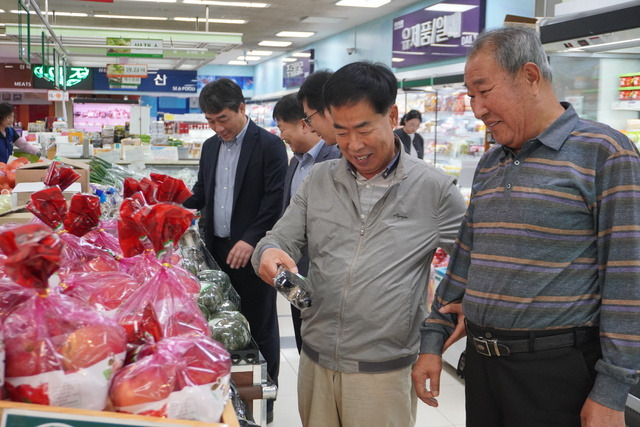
(533, 76)
(393, 115)
(305, 127)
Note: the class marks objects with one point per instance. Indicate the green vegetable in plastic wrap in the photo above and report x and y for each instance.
(210, 298)
(228, 305)
(5, 203)
(216, 276)
(231, 329)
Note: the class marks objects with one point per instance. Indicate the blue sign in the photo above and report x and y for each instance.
(167, 81)
(441, 31)
(245, 82)
(294, 73)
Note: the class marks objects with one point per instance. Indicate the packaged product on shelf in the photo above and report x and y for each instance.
(105, 291)
(60, 352)
(185, 378)
(231, 329)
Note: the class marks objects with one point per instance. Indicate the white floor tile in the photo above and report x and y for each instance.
(292, 356)
(285, 412)
(428, 416)
(287, 380)
(451, 401)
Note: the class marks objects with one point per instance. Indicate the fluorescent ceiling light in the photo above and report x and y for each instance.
(274, 43)
(2, 11)
(289, 60)
(249, 58)
(300, 34)
(32, 12)
(228, 3)
(214, 21)
(362, 3)
(450, 7)
(260, 52)
(234, 62)
(321, 20)
(302, 55)
(397, 59)
(150, 18)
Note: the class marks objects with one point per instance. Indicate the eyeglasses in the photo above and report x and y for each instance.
(307, 119)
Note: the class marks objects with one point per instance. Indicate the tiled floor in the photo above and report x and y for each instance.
(450, 413)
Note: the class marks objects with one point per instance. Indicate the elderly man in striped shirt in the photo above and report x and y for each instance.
(546, 263)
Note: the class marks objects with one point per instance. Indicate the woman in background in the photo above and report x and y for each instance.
(8, 136)
(412, 141)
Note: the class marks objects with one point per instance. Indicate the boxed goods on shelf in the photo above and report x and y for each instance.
(35, 172)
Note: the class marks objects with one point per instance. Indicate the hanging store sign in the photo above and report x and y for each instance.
(245, 82)
(167, 81)
(16, 76)
(49, 77)
(294, 73)
(140, 48)
(441, 31)
(126, 70)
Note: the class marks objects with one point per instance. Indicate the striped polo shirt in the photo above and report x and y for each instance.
(551, 239)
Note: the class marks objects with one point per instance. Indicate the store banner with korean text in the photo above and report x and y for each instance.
(441, 31)
(140, 48)
(294, 73)
(167, 81)
(245, 82)
(73, 78)
(15, 76)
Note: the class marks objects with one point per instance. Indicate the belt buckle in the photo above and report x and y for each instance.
(489, 347)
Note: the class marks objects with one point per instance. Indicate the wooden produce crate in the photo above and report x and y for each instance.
(27, 415)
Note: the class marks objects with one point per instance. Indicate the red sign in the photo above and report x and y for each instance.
(15, 76)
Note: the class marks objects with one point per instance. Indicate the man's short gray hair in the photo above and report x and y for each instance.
(512, 47)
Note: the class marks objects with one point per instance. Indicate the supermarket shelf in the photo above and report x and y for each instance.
(626, 105)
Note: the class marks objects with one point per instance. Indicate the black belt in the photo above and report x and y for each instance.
(488, 343)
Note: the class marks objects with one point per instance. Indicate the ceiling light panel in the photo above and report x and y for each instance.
(260, 52)
(289, 59)
(301, 55)
(228, 3)
(363, 3)
(234, 62)
(273, 43)
(211, 20)
(300, 34)
(149, 18)
(32, 12)
(450, 7)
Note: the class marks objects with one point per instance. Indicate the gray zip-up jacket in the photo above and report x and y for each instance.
(369, 276)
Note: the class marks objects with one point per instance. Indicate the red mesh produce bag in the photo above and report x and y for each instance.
(62, 176)
(184, 378)
(59, 351)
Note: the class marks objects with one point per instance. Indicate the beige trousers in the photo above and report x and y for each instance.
(329, 398)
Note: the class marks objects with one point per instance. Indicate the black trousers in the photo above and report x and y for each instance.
(297, 324)
(539, 389)
(257, 304)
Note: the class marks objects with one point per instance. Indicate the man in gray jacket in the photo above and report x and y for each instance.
(372, 221)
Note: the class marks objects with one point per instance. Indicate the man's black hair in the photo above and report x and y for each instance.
(362, 81)
(288, 109)
(311, 89)
(220, 94)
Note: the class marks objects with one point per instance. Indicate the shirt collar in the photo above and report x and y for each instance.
(390, 167)
(312, 153)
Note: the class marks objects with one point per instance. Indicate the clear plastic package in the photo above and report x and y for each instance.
(295, 288)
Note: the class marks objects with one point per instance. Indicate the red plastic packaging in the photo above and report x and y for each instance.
(171, 189)
(105, 291)
(184, 378)
(83, 214)
(165, 224)
(49, 205)
(62, 176)
(131, 233)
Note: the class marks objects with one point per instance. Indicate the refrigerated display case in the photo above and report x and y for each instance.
(454, 138)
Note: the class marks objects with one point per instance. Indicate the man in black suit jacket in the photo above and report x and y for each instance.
(240, 186)
(308, 149)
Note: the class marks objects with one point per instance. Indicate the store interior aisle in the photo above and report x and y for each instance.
(450, 413)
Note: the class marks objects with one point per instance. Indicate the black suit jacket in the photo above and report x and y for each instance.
(258, 190)
(327, 152)
(418, 142)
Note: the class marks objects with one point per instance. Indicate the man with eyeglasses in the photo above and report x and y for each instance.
(316, 115)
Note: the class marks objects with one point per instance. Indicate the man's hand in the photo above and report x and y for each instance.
(460, 330)
(271, 259)
(595, 415)
(240, 254)
(427, 367)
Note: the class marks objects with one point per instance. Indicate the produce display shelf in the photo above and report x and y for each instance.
(27, 415)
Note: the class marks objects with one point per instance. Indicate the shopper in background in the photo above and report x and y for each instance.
(240, 185)
(9, 136)
(368, 266)
(308, 149)
(408, 133)
(546, 262)
(316, 114)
